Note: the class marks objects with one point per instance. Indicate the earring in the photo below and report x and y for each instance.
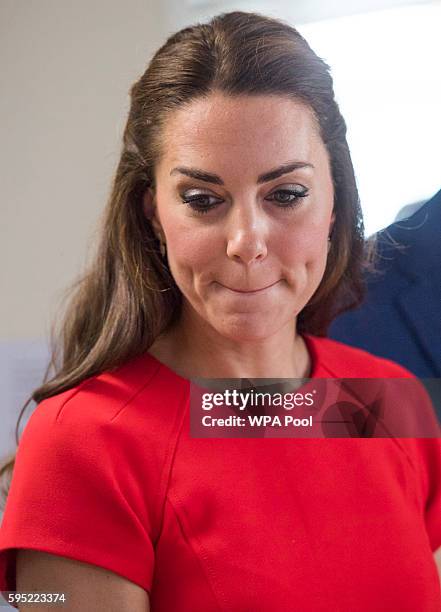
(329, 243)
(163, 249)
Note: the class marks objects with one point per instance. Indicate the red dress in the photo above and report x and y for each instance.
(107, 473)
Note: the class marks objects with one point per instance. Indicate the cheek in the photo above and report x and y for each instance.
(190, 248)
(304, 245)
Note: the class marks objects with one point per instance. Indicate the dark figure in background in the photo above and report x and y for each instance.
(401, 316)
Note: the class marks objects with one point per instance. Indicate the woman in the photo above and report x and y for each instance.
(232, 230)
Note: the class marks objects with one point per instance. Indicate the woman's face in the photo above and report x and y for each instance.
(244, 202)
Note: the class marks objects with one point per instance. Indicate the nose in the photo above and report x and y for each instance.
(247, 235)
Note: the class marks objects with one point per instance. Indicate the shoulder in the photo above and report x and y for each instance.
(409, 238)
(137, 396)
(101, 429)
(92, 470)
(340, 360)
(104, 442)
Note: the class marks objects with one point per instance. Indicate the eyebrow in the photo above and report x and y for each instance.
(208, 177)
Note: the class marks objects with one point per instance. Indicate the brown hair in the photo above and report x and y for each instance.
(128, 296)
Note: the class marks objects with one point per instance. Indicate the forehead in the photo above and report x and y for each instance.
(240, 131)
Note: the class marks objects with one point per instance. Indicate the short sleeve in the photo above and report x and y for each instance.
(80, 490)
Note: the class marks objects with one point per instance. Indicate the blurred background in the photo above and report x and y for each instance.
(66, 70)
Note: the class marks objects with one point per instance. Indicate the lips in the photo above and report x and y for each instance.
(250, 290)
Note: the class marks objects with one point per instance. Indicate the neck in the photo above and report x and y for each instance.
(195, 349)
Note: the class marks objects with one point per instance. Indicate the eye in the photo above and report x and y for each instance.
(200, 202)
(288, 197)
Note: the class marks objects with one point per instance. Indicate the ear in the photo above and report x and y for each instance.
(151, 211)
(331, 225)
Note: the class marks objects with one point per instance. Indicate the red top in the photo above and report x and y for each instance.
(107, 473)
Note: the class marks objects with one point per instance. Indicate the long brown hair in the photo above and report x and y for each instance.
(128, 297)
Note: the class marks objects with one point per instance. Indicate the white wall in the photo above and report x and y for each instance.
(66, 70)
(387, 81)
(179, 13)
